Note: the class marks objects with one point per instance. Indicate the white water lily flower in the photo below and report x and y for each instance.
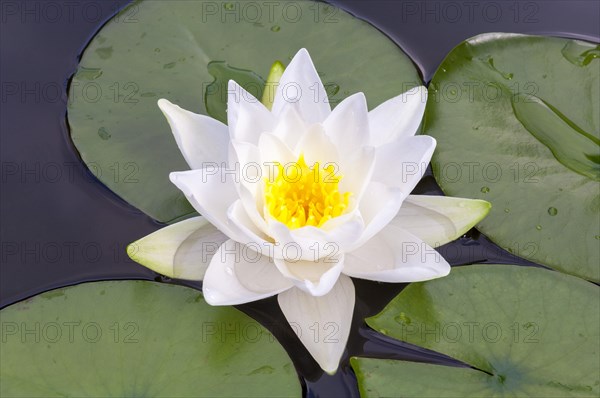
(298, 199)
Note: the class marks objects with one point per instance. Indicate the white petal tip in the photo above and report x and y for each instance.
(216, 301)
(303, 58)
(431, 144)
(165, 105)
(429, 138)
(442, 271)
(173, 177)
(232, 85)
(330, 364)
(209, 299)
(446, 271)
(302, 51)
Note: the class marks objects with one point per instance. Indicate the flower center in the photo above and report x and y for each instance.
(299, 195)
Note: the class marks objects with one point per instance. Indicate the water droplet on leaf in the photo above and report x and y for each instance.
(102, 133)
(331, 89)
(402, 319)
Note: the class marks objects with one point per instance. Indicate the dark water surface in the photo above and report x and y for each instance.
(59, 226)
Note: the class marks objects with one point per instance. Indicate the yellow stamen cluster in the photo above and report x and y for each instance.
(298, 195)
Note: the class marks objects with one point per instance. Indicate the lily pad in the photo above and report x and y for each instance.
(163, 49)
(517, 124)
(524, 332)
(136, 338)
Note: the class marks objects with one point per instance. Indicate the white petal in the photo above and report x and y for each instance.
(301, 86)
(249, 233)
(403, 163)
(379, 205)
(247, 118)
(439, 219)
(290, 126)
(357, 172)
(395, 255)
(246, 158)
(272, 150)
(238, 275)
(321, 323)
(316, 146)
(254, 207)
(310, 243)
(398, 117)
(348, 128)
(210, 191)
(348, 124)
(201, 139)
(250, 185)
(341, 231)
(316, 278)
(182, 250)
(244, 153)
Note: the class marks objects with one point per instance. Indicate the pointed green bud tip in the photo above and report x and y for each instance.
(275, 74)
